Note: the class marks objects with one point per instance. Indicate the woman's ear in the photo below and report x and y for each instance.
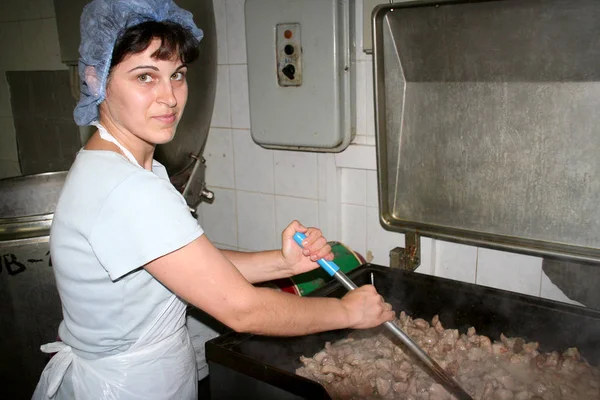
(91, 80)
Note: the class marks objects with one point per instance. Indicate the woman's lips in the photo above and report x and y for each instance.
(166, 118)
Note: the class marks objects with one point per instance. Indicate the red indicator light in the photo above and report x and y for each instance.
(288, 34)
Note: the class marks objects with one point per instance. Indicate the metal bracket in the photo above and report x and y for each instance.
(408, 258)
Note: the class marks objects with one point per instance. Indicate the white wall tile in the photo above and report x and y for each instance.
(427, 256)
(27, 9)
(370, 103)
(222, 110)
(296, 174)
(256, 221)
(5, 106)
(199, 216)
(240, 102)
(41, 50)
(9, 169)
(372, 189)
(219, 218)
(236, 31)
(221, 24)
(10, 10)
(323, 161)
(219, 158)
(288, 209)
(12, 46)
(514, 272)
(253, 165)
(359, 139)
(15, 10)
(45, 8)
(455, 261)
(380, 241)
(550, 291)
(359, 157)
(8, 140)
(324, 221)
(354, 227)
(354, 186)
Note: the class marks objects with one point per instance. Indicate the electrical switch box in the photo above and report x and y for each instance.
(301, 73)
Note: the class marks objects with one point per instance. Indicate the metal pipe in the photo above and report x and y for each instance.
(433, 367)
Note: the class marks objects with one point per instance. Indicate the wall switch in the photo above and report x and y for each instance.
(289, 54)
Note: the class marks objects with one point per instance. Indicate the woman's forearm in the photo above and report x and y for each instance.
(283, 314)
(259, 266)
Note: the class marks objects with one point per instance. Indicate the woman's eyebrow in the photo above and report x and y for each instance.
(144, 67)
(154, 68)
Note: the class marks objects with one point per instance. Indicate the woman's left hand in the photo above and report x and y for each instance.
(302, 259)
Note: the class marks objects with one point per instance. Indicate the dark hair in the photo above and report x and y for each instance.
(176, 41)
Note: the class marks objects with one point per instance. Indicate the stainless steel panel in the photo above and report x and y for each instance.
(27, 205)
(31, 313)
(30, 195)
(487, 123)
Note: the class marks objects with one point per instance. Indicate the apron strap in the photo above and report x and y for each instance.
(110, 138)
(58, 365)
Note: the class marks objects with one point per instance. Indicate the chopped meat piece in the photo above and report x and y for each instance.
(503, 394)
(332, 369)
(421, 324)
(369, 365)
(499, 348)
(383, 382)
(320, 356)
(572, 353)
(522, 395)
(400, 387)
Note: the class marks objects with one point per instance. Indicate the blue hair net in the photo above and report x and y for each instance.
(102, 22)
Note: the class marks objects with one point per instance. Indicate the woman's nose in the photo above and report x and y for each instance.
(166, 94)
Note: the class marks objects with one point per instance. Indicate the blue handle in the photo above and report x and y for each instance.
(329, 266)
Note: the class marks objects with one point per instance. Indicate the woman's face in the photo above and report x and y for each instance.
(145, 97)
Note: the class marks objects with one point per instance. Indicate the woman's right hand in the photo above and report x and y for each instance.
(366, 308)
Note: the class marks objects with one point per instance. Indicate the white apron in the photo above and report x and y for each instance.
(160, 365)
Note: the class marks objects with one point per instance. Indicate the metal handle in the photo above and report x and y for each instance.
(434, 368)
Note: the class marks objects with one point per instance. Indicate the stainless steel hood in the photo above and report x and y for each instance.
(488, 123)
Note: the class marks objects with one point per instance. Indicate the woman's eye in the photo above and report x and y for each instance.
(178, 76)
(145, 78)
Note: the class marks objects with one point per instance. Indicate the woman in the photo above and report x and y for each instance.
(126, 252)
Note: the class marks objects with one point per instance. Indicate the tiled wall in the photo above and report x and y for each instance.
(29, 43)
(258, 191)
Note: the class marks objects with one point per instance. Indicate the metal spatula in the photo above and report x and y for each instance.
(433, 368)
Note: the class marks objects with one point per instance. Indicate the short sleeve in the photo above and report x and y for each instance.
(143, 218)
